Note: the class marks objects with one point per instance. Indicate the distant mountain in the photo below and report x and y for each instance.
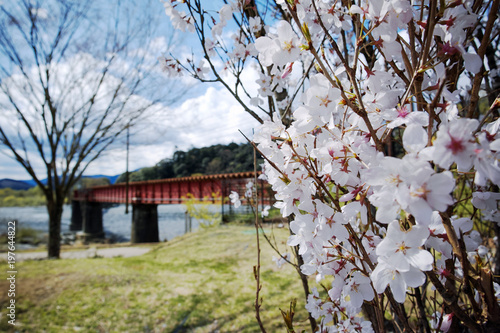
(112, 179)
(27, 184)
(32, 183)
(14, 184)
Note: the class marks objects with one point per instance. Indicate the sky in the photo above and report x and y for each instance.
(205, 115)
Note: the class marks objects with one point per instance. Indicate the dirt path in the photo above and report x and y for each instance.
(128, 251)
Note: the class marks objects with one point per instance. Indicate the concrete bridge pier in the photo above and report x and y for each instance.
(92, 219)
(76, 216)
(144, 223)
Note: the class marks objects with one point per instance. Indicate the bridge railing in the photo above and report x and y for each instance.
(173, 190)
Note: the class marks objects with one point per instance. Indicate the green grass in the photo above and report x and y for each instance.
(23, 235)
(21, 198)
(200, 282)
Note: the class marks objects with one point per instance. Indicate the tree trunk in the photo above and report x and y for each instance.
(496, 262)
(55, 210)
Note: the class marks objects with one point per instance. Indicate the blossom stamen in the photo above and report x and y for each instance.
(455, 145)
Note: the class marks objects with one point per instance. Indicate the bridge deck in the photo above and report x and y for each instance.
(171, 190)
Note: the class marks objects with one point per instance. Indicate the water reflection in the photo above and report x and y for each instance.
(117, 224)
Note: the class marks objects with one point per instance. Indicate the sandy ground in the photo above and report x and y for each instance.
(128, 251)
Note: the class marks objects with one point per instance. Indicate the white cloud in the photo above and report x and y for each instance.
(209, 116)
(9, 168)
(212, 118)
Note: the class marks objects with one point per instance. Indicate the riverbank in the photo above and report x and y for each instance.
(116, 223)
(199, 282)
(90, 252)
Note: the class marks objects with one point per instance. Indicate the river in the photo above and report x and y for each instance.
(117, 224)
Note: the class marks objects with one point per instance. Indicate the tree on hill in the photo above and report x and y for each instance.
(73, 76)
(206, 161)
(86, 182)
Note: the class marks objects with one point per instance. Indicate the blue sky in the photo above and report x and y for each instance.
(204, 116)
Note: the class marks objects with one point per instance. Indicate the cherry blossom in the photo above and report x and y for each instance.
(429, 193)
(455, 144)
(402, 115)
(472, 62)
(170, 66)
(249, 189)
(179, 19)
(441, 323)
(386, 274)
(314, 303)
(438, 238)
(485, 200)
(370, 122)
(358, 289)
(280, 261)
(255, 24)
(402, 248)
(486, 161)
(488, 202)
(280, 50)
(265, 211)
(414, 138)
(264, 82)
(235, 199)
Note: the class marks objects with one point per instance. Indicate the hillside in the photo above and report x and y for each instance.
(206, 161)
(22, 185)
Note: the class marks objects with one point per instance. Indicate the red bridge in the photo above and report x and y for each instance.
(145, 196)
(168, 191)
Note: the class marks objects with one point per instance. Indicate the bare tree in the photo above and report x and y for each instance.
(73, 76)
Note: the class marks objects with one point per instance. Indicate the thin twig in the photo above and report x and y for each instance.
(256, 269)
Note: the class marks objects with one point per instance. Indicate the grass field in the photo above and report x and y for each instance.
(200, 282)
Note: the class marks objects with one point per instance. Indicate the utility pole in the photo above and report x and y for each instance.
(126, 172)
